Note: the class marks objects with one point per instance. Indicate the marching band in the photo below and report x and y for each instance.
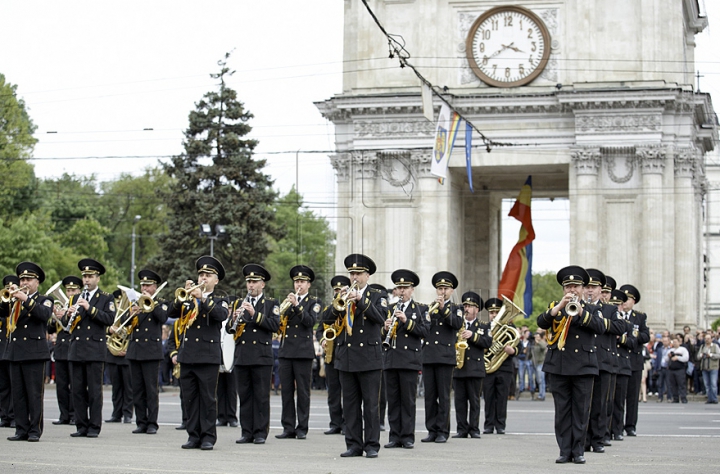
(594, 338)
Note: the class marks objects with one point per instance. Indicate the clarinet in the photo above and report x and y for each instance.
(236, 321)
(84, 296)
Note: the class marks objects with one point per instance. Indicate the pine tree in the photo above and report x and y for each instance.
(217, 181)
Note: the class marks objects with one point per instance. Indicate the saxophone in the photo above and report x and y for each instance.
(461, 346)
(331, 332)
(503, 334)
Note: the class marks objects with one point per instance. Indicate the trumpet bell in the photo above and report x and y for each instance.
(183, 294)
(146, 303)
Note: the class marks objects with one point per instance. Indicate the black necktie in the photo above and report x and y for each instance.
(252, 301)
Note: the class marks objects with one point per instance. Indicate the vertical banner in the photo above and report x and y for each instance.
(427, 101)
(468, 153)
(445, 134)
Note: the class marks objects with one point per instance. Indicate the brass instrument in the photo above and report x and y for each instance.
(341, 300)
(461, 346)
(176, 371)
(72, 322)
(572, 308)
(6, 295)
(503, 335)
(183, 294)
(332, 331)
(60, 302)
(284, 307)
(147, 303)
(118, 341)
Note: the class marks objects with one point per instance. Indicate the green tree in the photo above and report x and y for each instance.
(217, 181)
(308, 241)
(16, 145)
(70, 198)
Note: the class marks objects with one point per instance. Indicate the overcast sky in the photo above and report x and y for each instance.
(97, 75)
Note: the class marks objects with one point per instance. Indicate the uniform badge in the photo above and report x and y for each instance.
(164, 307)
(112, 306)
(414, 316)
(224, 304)
(48, 303)
(276, 310)
(459, 312)
(481, 331)
(427, 316)
(383, 302)
(316, 308)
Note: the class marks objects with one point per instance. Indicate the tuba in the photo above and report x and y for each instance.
(461, 346)
(61, 302)
(503, 335)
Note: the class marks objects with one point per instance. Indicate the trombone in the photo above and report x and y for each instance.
(147, 303)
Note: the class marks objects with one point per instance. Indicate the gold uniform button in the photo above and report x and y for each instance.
(254, 342)
(361, 344)
(146, 340)
(577, 350)
(562, 348)
(243, 342)
(186, 339)
(436, 342)
(15, 339)
(296, 326)
(198, 327)
(197, 340)
(88, 327)
(295, 335)
(87, 339)
(137, 340)
(212, 340)
(137, 330)
(147, 329)
(24, 338)
(25, 326)
(437, 332)
(361, 331)
(406, 335)
(405, 347)
(254, 330)
(440, 324)
(349, 345)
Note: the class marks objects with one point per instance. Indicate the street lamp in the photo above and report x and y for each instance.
(132, 261)
(206, 231)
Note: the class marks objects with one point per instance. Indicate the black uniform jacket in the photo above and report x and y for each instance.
(200, 344)
(29, 340)
(579, 356)
(442, 335)
(298, 342)
(146, 338)
(405, 350)
(61, 350)
(641, 333)
(606, 343)
(474, 365)
(362, 350)
(88, 339)
(626, 342)
(254, 346)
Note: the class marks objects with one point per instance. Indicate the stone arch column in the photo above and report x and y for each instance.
(584, 207)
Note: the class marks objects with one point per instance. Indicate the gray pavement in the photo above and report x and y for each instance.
(672, 438)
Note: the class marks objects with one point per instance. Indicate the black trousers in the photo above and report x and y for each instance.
(467, 394)
(401, 400)
(227, 398)
(621, 385)
(632, 400)
(7, 414)
(28, 386)
(122, 395)
(295, 373)
(361, 396)
(572, 395)
(438, 383)
(199, 386)
(610, 407)
(253, 386)
(144, 375)
(334, 396)
(87, 381)
(496, 389)
(676, 379)
(597, 425)
(64, 393)
(382, 405)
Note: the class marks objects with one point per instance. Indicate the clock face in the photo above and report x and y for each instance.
(508, 46)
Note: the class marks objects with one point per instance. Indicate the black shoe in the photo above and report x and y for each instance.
(78, 434)
(333, 431)
(429, 439)
(684, 400)
(6, 424)
(72, 421)
(190, 445)
(18, 438)
(181, 427)
(579, 460)
(606, 442)
(127, 419)
(630, 433)
(350, 453)
(300, 435)
(233, 424)
(371, 454)
(618, 437)
(441, 439)
(460, 435)
(475, 435)
(221, 423)
(151, 430)
(139, 430)
(487, 431)
(285, 435)
(244, 440)
(58, 422)
(113, 420)
(599, 449)
(393, 444)
(500, 431)
(408, 445)
(33, 438)
(93, 435)
(562, 460)
(259, 441)
(206, 446)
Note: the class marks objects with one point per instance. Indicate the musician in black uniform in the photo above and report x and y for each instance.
(358, 357)
(404, 333)
(612, 343)
(145, 352)
(496, 386)
(201, 315)
(73, 286)
(641, 335)
(119, 371)
(606, 347)
(625, 343)
(27, 350)
(467, 380)
(382, 405)
(572, 360)
(88, 318)
(255, 321)
(297, 353)
(7, 415)
(174, 344)
(332, 376)
(439, 357)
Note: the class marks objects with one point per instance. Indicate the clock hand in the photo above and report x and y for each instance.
(514, 48)
(498, 51)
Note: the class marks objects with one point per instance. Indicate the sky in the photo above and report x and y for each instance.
(110, 86)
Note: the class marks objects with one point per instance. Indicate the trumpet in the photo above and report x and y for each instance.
(183, 294)
(572, 308)
(6, 295)
(234, 326)
(341, 300)
(433, 307)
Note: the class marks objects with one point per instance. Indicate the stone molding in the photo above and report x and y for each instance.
(685, 162)
(610, 156)
(371, 164)
(618, 123)
(586, 160)
(651, 159)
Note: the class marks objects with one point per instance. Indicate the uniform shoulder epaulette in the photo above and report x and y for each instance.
(311, 297)
(104, 293)
(552, 304)
(373, 290)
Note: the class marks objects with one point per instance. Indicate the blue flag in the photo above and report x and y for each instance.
(468, 153)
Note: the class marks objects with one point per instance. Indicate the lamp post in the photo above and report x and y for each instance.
(206, 231)
(132, 261)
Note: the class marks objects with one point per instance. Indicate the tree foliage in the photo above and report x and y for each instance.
(217, 181)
